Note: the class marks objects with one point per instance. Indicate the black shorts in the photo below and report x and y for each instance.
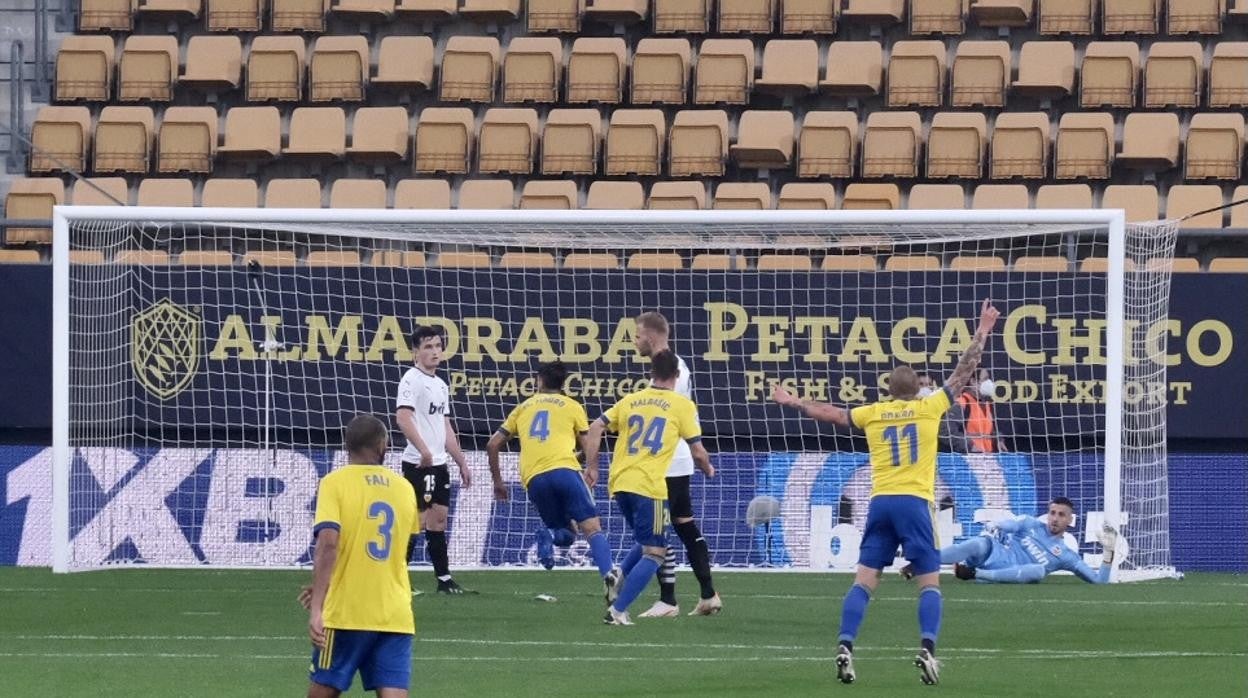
(432, 484)
(678, 499)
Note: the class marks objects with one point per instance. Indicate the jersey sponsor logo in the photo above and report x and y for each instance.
(437, 408)
(165, 344)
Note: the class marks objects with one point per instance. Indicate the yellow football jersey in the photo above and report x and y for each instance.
(547, 424)
(374, 510)
(902, 436)
(650, 423)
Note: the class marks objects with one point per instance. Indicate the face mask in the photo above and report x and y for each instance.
(925, 391)
(986, 388)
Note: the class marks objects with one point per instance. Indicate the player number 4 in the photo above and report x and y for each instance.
(909, 432)
(651, 436)
(540, 428)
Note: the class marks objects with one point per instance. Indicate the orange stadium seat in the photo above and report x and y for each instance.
(490, 11)
(596, 70)
(989, 196)
(142, 257)
(938, 17)
(976, 263)
(908, 262)
(682, 17)
(790, 67)
(230, 193)
(861, 196)
(84, 69)
(61, 137)
(764, 140)
(338, 70)
(293, 193)
(1002, 13)
(677, 195)
(333, 258)
(854, 69)
(100, 191)
(124, 140)
(533, 69)
(916, 74)
(422, 193)
(170, 10)
(848, 262)
(1020, 145)
(443, 140)
(698, 144)
(660, 71)
(275, 69)
(1130, 16)
(357, 193)
(404, 63)
(507, 141)
(1215, 147)
(746, 16)
(828, 144)
(742, 195)
(317, 133)
(1085, 146)
(187, 140)
(428, 11)
(527, 260)
(1041, 264)
(807, 195)
(487, 194)
(234, 15)
(1046, 69)
(725, 72)
(891, 144)
(1110, 75)
(635, 142)
(563, 16)
(937, 197)
(165, 192)
(655, 260)
(147, 69)
(571, 141)
(363, 10)
(469, 69)
(1067, 16)
(1139, 201)
(1064, 196)
(1228, 74)
(271, 258)
(252, 133)
(109, 15)
(615, 195)
(299, 15)
(784, 261)
(1150, 141)
(874, 12)
(809, 16)
(1229, 265)
(591, 260)
(1190, 199)
(617, 11)
(548, 194)
(32, 198)
(379, 135)
(1174, 74)
(957, 145)
(981, 74)
(213, 64)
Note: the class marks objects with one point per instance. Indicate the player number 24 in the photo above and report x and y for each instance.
(383, 511)
(909, 432)
(651, 436)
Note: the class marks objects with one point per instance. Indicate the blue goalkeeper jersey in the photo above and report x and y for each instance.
(1026, 541)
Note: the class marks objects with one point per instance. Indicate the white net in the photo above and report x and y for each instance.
(210, 366)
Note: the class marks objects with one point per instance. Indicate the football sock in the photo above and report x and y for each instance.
(852, 612)
(699, 555)
(600, 552)
(667, 578)
(636, 582)
(435, 546)
(630, 560)
(930, 601)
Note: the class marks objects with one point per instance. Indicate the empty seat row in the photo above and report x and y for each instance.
(286, 15)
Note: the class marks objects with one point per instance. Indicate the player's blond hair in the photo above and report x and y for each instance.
(654, 321)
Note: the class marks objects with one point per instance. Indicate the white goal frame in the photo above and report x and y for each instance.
(1113, 220)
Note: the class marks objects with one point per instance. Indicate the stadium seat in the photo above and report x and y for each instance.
(528, 260)
(275, 69)
(271, 258)
(124, 140)
(357, 193)
(1064, 196)
(1186, 199)
(490, 11)
(299, 15)
(379, 135)
(1139, 201)
(61, 137)
(32, 198)
(507, 141)
(764, 140)
(916, 74)
(937, 197)
(293, 193)
(1067, 16)
(402, 258)
(1150, 141)
(1020, 145)
(252, 133)
(1100, 265)
(708, 261)
(615, 195)
(912, 262)
(828, 144)
(165, 192)
(1228, 74)
(1174, 74)
(981, 74)
(861, 196)
(891, 144)
(635, 142)
(150, 258)
(1229, 265)
(169, 10)
(100, 191)
(1085, 146)
(855, 69)
(188, 140)
(591, 260)
(1215, 146)
(1046, 70)
(938, 17)
(317, 133)
(230, 193)
(1237, 12)
(1041, 264)
(333, 258)
(213, 64)
(677, 196)
(363, 10)
(487, 194)
(533, 69)
(957, 145)
(809, 16)
(681, 17)
(234, 15)
(443, 140)
(874, 12)
(463, 259)
(562, 16)
(1002, 13)
(84, 69)
(848, 262)
(596, 70)
(655, 260)
(807, 195)
(1177, 265)
(206, 258)
(698, 143)
(571, 141)
(106, 15)
(784, 261)
(427, 11)
(560, 194)
(1130, 16)
(660, 71)
(1239, 214)
(742, 195)
(618, 12)
(725, 72)
(992, 196)
(790, 67)
(422, 193)
(404, 63)
(1110, 75)
(469, 69)
(338, 70)
(746, 16)
(147, 69)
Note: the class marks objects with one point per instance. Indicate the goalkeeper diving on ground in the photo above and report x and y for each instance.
(1025, 550)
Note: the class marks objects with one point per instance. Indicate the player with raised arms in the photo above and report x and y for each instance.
(360, 603)
(550, 425)
(650, 423)
(902, 434)
(424, 416)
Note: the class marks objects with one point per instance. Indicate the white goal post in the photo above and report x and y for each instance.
(196, 404)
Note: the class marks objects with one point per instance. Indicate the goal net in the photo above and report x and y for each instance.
(206, 361)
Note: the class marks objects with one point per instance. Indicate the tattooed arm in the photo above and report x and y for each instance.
(970, 358)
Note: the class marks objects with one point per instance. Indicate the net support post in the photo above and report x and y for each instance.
(1114, 365)
(62, 456)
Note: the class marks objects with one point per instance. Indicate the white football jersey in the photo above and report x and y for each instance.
(430, 400)
(682, 462)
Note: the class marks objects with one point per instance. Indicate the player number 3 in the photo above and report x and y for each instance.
(380, 510)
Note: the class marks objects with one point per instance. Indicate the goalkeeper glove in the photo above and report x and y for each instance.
(1109, 542)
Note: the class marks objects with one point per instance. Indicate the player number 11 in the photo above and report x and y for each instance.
(909, 432)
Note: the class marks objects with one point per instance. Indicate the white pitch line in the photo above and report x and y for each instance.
(614, 658)
(201, 613)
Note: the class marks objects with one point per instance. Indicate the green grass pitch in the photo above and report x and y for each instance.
(227, 633)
